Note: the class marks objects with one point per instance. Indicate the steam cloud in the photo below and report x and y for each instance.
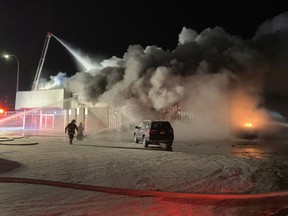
(213, 72)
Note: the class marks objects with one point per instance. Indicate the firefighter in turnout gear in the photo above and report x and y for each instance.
(70, 128)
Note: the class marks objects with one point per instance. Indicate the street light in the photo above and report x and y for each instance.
(17, 82)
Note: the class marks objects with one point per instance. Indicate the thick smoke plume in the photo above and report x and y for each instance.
(220, 79)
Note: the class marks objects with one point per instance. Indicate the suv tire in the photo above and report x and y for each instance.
(135, 139)
(169, 146)
(145, 143)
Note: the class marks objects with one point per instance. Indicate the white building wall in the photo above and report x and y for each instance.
(42, 98)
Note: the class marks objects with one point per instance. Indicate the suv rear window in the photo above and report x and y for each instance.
(164, 125)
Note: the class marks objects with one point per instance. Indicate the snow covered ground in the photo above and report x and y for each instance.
(88, 178)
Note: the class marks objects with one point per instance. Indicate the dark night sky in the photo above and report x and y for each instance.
(106, 29)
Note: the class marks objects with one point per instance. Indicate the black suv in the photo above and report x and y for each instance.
(154, 132)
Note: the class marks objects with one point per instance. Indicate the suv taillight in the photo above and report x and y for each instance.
(151, 131)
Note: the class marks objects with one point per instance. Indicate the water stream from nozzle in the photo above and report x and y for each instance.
(85, 63)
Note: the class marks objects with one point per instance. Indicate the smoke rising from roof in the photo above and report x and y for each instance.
(147, 80)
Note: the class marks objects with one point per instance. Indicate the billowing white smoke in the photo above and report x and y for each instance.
(54, 83)
(148, 80)
(278, 24)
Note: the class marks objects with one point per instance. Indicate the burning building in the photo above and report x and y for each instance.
(211, 83)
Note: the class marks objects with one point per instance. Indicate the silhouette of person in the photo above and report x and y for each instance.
(80, 131)
(70, 128)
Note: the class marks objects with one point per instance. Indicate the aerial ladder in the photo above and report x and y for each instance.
(41, 62)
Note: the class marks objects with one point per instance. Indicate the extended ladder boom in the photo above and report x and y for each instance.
(41, 62)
